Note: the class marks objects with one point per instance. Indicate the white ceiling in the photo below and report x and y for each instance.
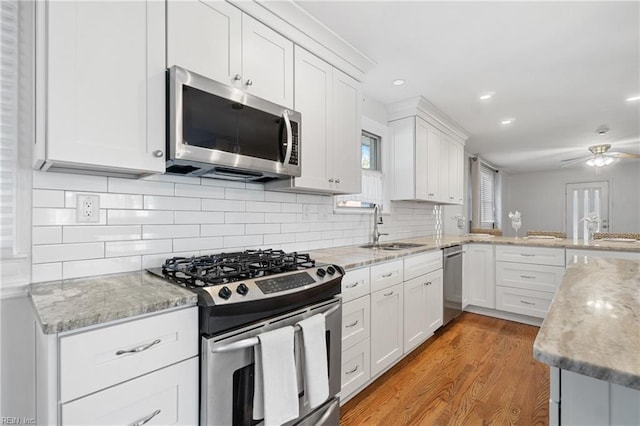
(561, 69)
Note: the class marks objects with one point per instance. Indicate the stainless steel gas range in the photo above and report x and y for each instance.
(244, 294)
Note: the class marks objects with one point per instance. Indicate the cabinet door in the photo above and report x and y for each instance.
(434, 308)
(481, 275)
(443, 184)
(386, 328)
(314, 100)
(355, 368)
(167, 396)
(421, 161)
(205, 37)
(433, 165)
(355, 321)
(267, 63)
(347, 129)
(415, 312)
(106, 85)
(455, 189)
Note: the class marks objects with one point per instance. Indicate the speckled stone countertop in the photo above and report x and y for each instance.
(71, 304)
(350, 257)
(593, 324)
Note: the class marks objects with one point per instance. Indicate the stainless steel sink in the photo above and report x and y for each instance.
(391, 246)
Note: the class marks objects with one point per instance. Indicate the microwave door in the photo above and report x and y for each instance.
(288, 142)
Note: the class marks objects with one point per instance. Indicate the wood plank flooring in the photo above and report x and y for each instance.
(478, 370)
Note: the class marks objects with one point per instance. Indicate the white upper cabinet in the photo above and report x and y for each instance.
(218, 41)
(331, 106)
(102, 85)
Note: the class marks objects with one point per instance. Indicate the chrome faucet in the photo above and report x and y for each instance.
(377, 220)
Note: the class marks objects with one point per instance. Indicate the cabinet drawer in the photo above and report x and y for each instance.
(537, 255)
(421, 264)
(92, 360)
(171, 392)
(526, 302)
(386, 274)
(355, 284)
(355, 321)
(529, 276)
(355, 368)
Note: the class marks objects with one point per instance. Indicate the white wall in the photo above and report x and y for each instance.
(374, 110)
(540, 197)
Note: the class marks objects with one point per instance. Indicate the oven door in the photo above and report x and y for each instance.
(227, 374)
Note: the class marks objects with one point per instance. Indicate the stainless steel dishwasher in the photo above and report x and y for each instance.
(452, 284)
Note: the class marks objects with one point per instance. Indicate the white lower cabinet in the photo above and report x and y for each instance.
(386, 327)
(480, 275)
(525, 302)
(355, 321)
(434, 301)
(422, 308)
(356, 370)
(168, 396)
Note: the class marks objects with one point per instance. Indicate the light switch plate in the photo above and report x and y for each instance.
(87, 208)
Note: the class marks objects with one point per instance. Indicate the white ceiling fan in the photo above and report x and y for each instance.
(601, 156)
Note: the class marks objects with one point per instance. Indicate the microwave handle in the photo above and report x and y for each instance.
(287, 123)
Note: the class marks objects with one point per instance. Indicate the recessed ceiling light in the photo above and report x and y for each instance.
(487, 96)
(507, 121)
(633, 99)
(398, 82)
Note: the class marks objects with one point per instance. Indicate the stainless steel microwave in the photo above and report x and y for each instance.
(218, 131)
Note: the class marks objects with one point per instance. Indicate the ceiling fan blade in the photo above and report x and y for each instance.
(577, 158)
(573, 161)
(622, 155)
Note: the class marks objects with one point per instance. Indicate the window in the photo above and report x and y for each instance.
(371, 143)
(485, 195)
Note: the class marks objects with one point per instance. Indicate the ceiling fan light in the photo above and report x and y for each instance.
(599, 161)
(591, 162)
(608, 160)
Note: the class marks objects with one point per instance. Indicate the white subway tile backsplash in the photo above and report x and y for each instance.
(223, 205)
(156, 260)
(199, 191)
(132, 248)
(296, 227)
(191, 244)
(222, 183)
(221, 230)
(46, 235)
(140, 186)
(243, 241)
(291, 208)
(308, 236)
(43, 272)
(261, 206)
(48, 198)
(243, 194)
(108, 201)
(85, 234)
(254, 186)
(199, 217)
(139, 217)
(332, 235)
(112, 265)
(52, 217)
(69, 182)
(190, 180)
(280, 217)
(232, 217)
(63, 252)
(280, 197)
(151, 232)
(153, 202)
(313, 199)
(279, 239)
(262, 228)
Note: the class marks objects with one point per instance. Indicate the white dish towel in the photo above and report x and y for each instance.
(316, 375)
(275, 395)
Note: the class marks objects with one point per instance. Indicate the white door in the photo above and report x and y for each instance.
(582, 199)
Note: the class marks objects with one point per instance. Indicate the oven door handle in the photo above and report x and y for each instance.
(253, 341)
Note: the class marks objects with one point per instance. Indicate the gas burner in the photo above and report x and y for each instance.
(224, 268)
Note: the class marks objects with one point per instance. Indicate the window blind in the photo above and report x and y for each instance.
(487, 196)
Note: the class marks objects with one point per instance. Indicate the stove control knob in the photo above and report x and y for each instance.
(224, 292)
(331, 270)
(321, 272)
(242, 289)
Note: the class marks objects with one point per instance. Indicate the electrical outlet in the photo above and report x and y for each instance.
(87, 208)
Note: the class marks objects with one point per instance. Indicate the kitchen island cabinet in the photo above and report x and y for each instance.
(590, 340)
(100, 87)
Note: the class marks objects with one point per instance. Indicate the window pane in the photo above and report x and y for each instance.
(370, 147)
(487, 197)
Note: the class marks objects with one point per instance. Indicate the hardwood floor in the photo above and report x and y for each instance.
(478, 370)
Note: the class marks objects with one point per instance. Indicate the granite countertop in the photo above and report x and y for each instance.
(71, 304)
(593, 324)
(350, 257)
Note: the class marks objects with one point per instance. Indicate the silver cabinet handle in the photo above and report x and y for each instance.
(430, 195)
(237, 77)
(158, 153)
(337, 180)
(427, 283)
(388, 294)
(138, 349)
(527, 254)
(387, 275)
(354, 370)
(353, 324)
(527, 303)
(527, 276)
(148, 419)
(249, 82)
(331, 180)
(451, 198)
(352, 285)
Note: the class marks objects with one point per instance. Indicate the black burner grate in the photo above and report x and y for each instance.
(224, 268)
